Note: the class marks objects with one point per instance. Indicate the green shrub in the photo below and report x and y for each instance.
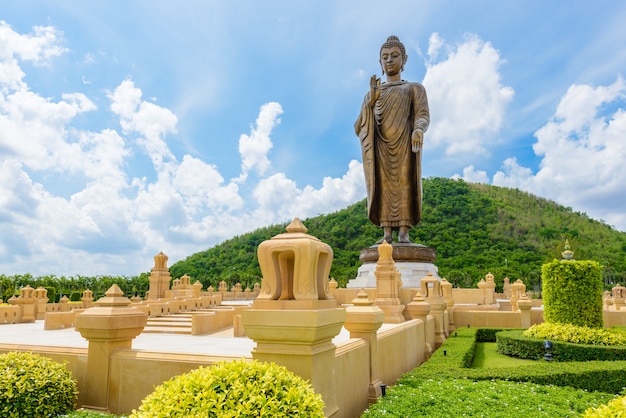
(233, 389)
(572, 292)
(602, 376)
(486, 398)
(34, 386)
(52, 294)
(516, 344)
(615, 408)
(576, 334)
(487, 335)
(75, 296)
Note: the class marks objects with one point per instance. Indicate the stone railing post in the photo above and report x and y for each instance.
(26, 300)
(110, 325)
(363, 320)
(431, 290)
(524, 304)
(388, 283)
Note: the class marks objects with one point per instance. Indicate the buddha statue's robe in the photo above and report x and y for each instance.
(392, 170)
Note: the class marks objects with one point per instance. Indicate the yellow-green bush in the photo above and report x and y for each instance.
(233, 389)
(576, 334)
(614, 409)
(572, 292)
(34, 386)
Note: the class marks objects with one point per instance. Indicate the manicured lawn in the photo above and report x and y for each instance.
(487, 356)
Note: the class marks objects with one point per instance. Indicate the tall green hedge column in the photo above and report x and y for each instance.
(572, 292)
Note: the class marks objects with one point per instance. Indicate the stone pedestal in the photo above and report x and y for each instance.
(41, 294)
(418, 308)
(388, 284)
(524, 304)
(110, 325)
(295, 318)
(446, 288)
(363, 320)
(27, 302)
(413, 261)
(431, 290)
(159, 278)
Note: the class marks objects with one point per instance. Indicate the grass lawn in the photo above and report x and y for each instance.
(487, 356)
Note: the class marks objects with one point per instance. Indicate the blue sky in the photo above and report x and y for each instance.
(129, 128)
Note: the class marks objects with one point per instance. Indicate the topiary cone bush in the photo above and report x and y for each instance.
(233, 389)
(34, 386)
(572, 292)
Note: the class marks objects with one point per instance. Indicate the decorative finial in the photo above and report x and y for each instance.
(568, 254)
(296, 226)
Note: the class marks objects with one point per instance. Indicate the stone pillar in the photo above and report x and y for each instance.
(27, 302)
(294, 318)
(87, 298)
(418, 308)
(446, 288)
(388, 283)
(482, 285)
(524, 305)
(110, 325)
(506, 288)
(363, 320)
(619, 293)
(431, 290)
(332, 286)
(517, 290)
(197, 289)
(159, 278)
(65, 304)
(41, 294)
(490, 289)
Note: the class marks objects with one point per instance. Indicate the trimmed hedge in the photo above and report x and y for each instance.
(603, 376)
(572, 292)
(514, 343)
(446, 382)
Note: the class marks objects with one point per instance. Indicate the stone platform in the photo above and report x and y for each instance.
(413, 261)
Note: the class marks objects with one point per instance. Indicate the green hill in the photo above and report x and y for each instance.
(474, 228)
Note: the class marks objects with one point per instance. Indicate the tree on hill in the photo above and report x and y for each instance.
(474, 229)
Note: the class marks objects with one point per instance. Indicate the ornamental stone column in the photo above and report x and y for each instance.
(108, 326)
(363, 320)
(388, 283)
(294, 318)
(27, 302)
(431, 290)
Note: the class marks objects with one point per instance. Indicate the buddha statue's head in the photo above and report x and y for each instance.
(392, 45)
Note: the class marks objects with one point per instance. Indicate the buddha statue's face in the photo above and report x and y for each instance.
(391, 60)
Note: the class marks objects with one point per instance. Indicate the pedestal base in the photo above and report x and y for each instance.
(411, 274)
(413, 261)
(300, 340)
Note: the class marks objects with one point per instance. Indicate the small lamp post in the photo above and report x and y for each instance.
(547, 345)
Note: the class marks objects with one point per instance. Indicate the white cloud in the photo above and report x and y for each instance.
(150, 121)
(466, 98)
(470, 174)
(281, 200)
(583, 153)
(37, 48)
(254, 148)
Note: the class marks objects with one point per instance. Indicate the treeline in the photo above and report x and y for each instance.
(73, 286)
(474, 228)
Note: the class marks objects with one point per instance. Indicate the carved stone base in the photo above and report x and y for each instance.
(413, 261)
(393, 313)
